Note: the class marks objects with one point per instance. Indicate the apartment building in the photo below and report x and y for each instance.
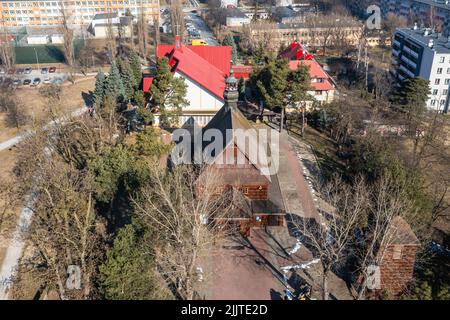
(429, 13)
(15, 13)
(332, 33)
(419, 52)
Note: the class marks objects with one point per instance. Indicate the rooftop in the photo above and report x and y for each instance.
(423, 36)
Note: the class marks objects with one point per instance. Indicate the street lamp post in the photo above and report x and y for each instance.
(37, 59)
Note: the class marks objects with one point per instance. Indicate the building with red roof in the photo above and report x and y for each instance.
(322, 84)
(204, 69)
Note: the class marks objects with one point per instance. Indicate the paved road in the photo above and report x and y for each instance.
(205, 32)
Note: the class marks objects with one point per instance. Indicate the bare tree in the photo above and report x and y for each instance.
(142, 30)
(185, 209)
(7, 50)
(9, 201)
(177, 17)
(331, 235)
(388, 203)
(68, 34)
(16, 115)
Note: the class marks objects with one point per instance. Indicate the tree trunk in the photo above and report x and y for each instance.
(325, 293)
(282, 120)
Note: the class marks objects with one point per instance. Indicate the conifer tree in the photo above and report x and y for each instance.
(168, 93)
(99, 91)
(127, 78)
(135, 65)
(229, 41)
(114, 87)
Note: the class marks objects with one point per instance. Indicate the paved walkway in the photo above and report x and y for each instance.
(294, 188)
(17, 139)
(14, 251)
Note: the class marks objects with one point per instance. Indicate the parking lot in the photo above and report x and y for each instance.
(27, 76)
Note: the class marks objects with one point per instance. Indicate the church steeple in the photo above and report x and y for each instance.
(231, 94)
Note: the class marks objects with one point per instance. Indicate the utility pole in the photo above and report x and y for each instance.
(366, 61)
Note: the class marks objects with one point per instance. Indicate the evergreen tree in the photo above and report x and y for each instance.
(168, 93)
(298, 86)
(114, 87)
(99, 91)
(128, 270)
(229, 41)
(127, 78)
(412, 95)
(135, 65)
(272, 83)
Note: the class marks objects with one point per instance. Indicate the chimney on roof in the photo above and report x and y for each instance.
(415, 26)
(178, 41)
(231, 94)
(431, 43)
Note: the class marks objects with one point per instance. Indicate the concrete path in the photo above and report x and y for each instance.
(14, 251)
(17, 139)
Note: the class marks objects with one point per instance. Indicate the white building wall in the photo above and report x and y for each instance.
(237, 22)
(199, 99)
(436, 67)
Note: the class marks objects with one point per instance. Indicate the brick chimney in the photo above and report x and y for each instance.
(178, 41)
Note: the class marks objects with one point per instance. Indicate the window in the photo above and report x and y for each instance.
(447, 81)
(442, 102)
(435, 92)
(441, 59)
(433, 102)
(445, 92)
(448, 70)
(437, 81)
(397, 252)
(439, 71)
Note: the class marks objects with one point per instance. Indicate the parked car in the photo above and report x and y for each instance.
(52, 70)
(2, 71)
(27, 70)
(20, 71)
(17, 82)
(44, 70)
(26, 82)
(36, 81)
(47, 80)
(57, 81)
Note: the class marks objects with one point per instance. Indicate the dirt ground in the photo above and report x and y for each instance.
(36, 106)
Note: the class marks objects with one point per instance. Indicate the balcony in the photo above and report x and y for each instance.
(408, 61)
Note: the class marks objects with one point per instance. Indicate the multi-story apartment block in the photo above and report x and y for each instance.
(429, 13)
(421, 53)
(15, 13)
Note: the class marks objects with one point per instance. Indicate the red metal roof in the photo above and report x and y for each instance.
(296, 51)
(208, 66)
(147, 83)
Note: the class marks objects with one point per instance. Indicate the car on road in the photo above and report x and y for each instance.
(52, 70)
(44, 70)
(36, 81)
(26, 82)
(20, 70)
(47, 80)
(17, 82)
(27, 70)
